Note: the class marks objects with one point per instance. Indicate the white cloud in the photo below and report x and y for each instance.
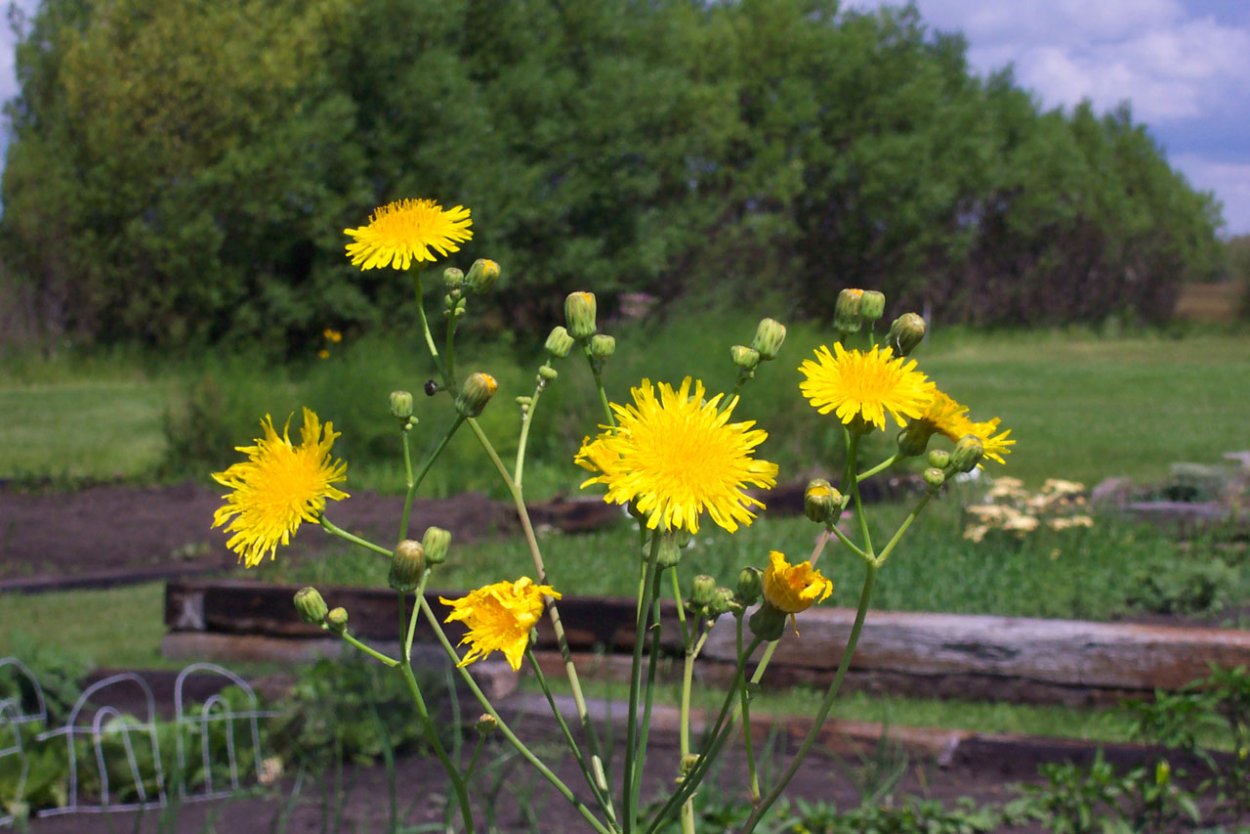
(1229, 180)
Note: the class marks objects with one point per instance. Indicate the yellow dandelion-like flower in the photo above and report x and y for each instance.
(407, 230)
(860, 387)
(995, 445)
(943, 415)
(499, 618)
(793, 588)
(677, 456)
(278, 486)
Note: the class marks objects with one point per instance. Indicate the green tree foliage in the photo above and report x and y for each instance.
(180, 172)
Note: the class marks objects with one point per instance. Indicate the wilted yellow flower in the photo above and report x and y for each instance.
(678, 456)
(793, 588)
(407, 230)
(862, 386)
(278, 486)
(499, 618)
(994, 445)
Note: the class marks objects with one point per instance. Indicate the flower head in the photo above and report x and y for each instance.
(861, 386)
(942, 416)
(278, 486)
(405, 231)
(499, 618)
(995, 445)
(793, 588)
(677, 456)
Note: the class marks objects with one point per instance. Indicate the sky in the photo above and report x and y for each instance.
(1183, 65)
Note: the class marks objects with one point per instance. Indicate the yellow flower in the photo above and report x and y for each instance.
(860, 387)
(331, 335)
(499, 618)
(943, 415)
(994, 445)
(278, 486)
(793, 588)
(405, 231)
(678, 456)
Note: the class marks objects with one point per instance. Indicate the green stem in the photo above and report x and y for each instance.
(415, 483)
(902, 528)
(457, 783)
(369, 650)
(687, 685)
(504, 729)
(852, 546)
(518, 471)
(629, 808)
(449, 352)
(603, 394)
(880, 467)
(748, 742)
(329, 527)
(425, 331)
(865, 597)
(852, 453)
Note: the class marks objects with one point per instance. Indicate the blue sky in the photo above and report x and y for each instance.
(1184, 65)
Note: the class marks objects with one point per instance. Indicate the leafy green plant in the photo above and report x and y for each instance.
(1184, 587)
(57, 670)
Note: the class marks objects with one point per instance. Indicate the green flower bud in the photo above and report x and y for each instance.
(749, 586)
(846, 317)
(559, 342)
(602, 346)
(905, 334)
(822, 502)
(436, 542)
(768, 622)
(547, 373)
(770, 334)
(748, 359)
(579, 314)
(1163, 773)
(453, 278)
(407, 566)
(934, 477)
(940, 458)
(482, 275)
(401, 405)
(669, 553)
(914, 439)
(872, 305)
(476, 393)
(486, 724)
(967, 454)
(337, 620)
(722, 603)
(702, 590)
(311, 606)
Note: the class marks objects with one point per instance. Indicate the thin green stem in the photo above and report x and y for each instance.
(429, 336)
(518, 471)
(880, 467)
(748, 742)
(453, 773)
(629, 807)
(369, 650)
(852, 546)
(330, 528)
(852, 454)
(449, 347)
(687, 686)
(865, 597)
(418, 594)
(595, 372)
(902, 528)
(415, 482)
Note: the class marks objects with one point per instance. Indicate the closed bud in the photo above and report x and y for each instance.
(401, 405)
(311, 606)
(722, 603)
(905, 334)
(407, 566)
(702, 591)
(547, 373)
(748, 359)
(940, 458)
(967, 454)
(934, 477)
(846, 318)
(822, 502)
(749, 586)
(770, 334)
(453, 278)
(337, 620)
(579, 314)
(668, 555)
(872, 306)
(602, 346)
(486, 724)
(476, 393)
(482, 275)
(768, 622)
(559, 342)
(436, 542)
(913, 440)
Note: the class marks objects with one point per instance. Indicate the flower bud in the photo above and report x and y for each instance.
(702, 591)
(401, 405)
(770, 334)
(822, 502)
(748, 359)
(559, 342)
(436, 541)
(768, 622)
(906, 332)
(407, 566)
(1163, 773)
(547, 373)
(453, 278)
(967, 454)
(934, 477)
(337, 620)
(482, 275)
(602, 346)
(486, 724)
(846, 317)
(579, 314)
(311, 606)
(914, 439)
(722, 603)
(940, 458)
(476, 393)
(668, 555)
(872, 306)
(749, 587)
